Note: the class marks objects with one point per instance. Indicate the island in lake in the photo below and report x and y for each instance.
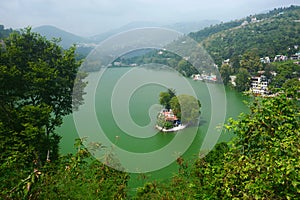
(178, 113)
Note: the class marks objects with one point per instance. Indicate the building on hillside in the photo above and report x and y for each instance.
(280, 58)
(273, 73)
(265, 60)
(245, 23)
(117, 63)
(254, 20)
(232, 80)
(259, 85)
(197, 77)
(205, 77)
(210, 78)
(226, 62)
(295, 56)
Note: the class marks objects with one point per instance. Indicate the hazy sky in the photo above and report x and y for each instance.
(90, 17)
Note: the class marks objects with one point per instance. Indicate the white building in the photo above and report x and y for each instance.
(232, 80)
(259, 84)
(280, 58)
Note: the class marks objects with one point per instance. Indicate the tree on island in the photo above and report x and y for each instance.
(165, 98)
(185, 107)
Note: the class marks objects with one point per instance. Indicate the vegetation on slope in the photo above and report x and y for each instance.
(270, 34)
(262, 162)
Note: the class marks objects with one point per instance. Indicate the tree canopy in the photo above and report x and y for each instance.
(37, 78)
(185, 107)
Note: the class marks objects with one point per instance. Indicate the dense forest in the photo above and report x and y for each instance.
(261, 162)
(4, 32)
(277, 32)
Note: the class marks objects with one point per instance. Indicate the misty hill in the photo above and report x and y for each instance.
(183, 27)
(133, 25)
(269, 34)
(187, 27)
(4, 32)
(86, 44)
(67, 39)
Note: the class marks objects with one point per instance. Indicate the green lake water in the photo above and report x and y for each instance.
(141, 100)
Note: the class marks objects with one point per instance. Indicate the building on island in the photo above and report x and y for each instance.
(168, 116)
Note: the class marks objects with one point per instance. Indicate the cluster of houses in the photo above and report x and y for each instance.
(279, 58)
(167, 115)
(253, 20)
(205, 77)
(259, 84)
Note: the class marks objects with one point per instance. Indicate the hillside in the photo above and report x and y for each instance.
(4, 32)
(184, 27)
(67, 39)
(276, 32)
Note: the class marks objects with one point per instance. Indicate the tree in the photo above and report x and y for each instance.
(4, 32)
(185, 68)
(292, 86)
(285, 70)
(242, 80)
(189, 108)
(251, 61)
(165, 98)
(37, 78)
(73, 176)
(235, 62)
(175, 106)
(225, 71)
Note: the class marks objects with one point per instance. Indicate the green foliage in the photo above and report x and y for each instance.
(225, 71)
(242, 80)
(165, 98)
(251, 61)
(292, 86)
(206, 32)
(285, 70)
(160, 57)
(4, 32)
(185, 107)
(189, 109)
(175, 106)
(78, 176)
(275, 33)
(37, 78)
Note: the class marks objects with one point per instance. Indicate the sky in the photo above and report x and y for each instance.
(91, 17)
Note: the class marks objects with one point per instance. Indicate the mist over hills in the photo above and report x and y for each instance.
(273, 32)
(69, 38)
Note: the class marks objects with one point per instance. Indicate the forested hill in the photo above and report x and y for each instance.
(272, 33)
(4, 32)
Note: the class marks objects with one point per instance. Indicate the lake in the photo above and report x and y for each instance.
(125, 107)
